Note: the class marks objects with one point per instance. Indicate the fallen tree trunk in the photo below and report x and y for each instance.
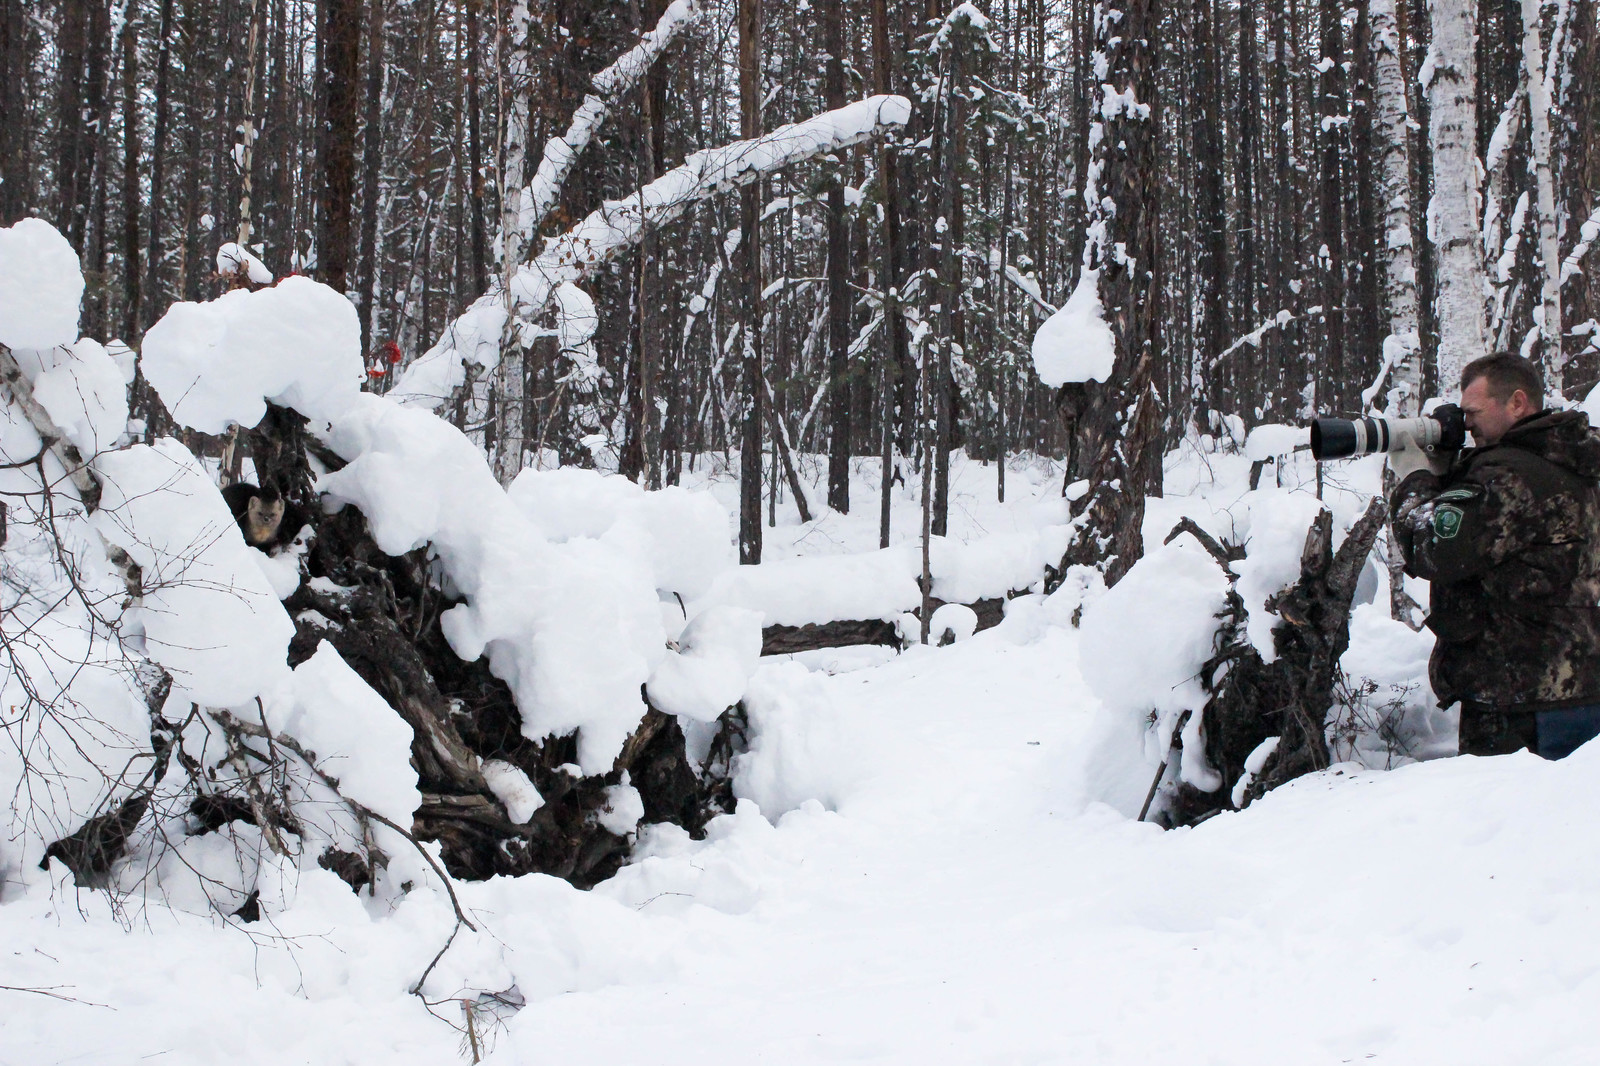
(785, 640)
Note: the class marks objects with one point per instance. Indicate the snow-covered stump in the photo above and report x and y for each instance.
(1251, 702)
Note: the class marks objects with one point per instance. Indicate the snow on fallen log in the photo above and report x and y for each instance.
(618, 225)
(826, 601)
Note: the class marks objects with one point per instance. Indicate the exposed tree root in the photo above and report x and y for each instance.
(1250, 700)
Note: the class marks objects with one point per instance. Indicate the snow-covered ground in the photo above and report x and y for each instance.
(919, 873)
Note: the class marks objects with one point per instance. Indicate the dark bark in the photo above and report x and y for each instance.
(839, 378)
(750, 204)
(158, 163)
(896, 375)
(14, 148)
(1331, 138)
(339, 69)
(371, 164)
(480, 255)
(1119, 427)
(845, 633)
(72, 143)
(132, 276)
(1211, 259)
(1363, 335)
(1244, 308)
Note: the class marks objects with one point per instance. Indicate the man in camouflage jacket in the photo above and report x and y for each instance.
(1508, 534)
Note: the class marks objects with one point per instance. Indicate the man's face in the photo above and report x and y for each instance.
(1489, 418)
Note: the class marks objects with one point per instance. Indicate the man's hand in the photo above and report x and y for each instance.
(1408, 460)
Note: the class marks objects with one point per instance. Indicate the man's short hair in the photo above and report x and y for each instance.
(1506, 373)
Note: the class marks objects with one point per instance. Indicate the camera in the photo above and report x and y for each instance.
(1443, 430)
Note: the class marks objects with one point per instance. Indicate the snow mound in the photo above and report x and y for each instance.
(82, 389)
(1591, 406)
(1278, 522)
(681, 534)
(1269, 441)
(716, 655)
(994, 565)
(207, 613)
(956, 620)
(232, 260)
(297, 344)
(41, 286)
(883, 584)
(573, 628)
(357, 737)
(1393, 716)
(824, 588)
(512, 787)
(1075, 343)
(1143, 643)
(796, 741)
(1146, 637)
(623, 809)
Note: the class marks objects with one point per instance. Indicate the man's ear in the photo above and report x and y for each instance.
(1519, 404)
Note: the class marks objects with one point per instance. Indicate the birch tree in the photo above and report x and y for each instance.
(1402, 348)
(1539, 101)
(509, 440)
(1450, 76)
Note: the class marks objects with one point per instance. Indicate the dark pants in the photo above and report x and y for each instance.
(1552, 734)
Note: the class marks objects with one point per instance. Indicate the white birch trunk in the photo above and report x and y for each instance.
(1450, 77)
(1403, 346)
(1502, 233)
(508, 375)
(1545, 197)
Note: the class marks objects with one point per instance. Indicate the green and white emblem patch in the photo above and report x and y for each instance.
(1447, 521)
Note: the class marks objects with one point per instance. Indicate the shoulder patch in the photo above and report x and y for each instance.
(1447, 521)
(1471, 492)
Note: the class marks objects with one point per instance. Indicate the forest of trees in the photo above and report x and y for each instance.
(1280, 205)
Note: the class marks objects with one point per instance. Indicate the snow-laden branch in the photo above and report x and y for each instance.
(1572, 265)
(1257, 335)
(617, 225)
(610, 86)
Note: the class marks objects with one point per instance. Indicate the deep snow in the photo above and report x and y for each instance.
(932, 858)
(959, 904)
(917, 874)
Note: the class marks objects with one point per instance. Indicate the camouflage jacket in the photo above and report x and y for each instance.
(1510, 540)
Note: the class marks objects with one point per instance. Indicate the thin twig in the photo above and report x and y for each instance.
(229, 722)
(55, 995)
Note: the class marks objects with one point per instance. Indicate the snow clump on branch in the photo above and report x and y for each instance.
(220, 363)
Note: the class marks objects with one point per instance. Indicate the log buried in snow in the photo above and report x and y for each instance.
(785, 640)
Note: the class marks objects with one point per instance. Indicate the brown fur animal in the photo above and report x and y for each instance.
(265, 518)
